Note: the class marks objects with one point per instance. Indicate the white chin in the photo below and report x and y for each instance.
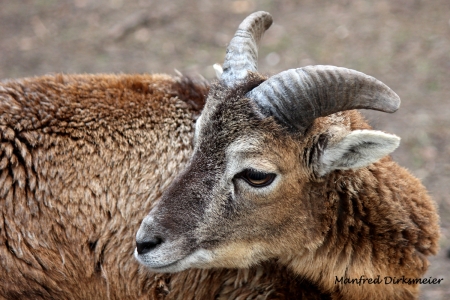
(198, 259)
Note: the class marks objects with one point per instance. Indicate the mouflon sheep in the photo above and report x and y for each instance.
(83, 158)
(285, 168)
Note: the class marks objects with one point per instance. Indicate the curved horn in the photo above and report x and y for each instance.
(298, 96)
(242, 52)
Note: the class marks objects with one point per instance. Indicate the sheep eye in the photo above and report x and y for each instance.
(257, 178)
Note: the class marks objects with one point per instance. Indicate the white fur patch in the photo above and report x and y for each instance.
(358, 149)
(219, 70)
(197, 128)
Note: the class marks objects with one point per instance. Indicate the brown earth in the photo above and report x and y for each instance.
(404, 43)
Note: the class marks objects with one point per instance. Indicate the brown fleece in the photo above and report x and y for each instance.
(375, 221)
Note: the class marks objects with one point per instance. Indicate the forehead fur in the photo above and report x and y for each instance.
(229, 115)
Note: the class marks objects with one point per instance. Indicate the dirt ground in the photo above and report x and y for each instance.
(404, 43)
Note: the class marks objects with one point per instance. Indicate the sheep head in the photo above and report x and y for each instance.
(262, 149)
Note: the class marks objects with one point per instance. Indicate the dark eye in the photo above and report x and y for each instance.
(257, 178)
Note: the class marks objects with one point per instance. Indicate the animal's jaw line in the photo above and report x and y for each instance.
(191, 260)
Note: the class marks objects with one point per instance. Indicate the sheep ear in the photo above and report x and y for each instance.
(358, 149)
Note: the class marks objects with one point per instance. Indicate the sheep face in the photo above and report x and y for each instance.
(207, 216)
(247, 193)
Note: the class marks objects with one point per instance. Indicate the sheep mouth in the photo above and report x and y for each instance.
(168, 268)
(197, 259)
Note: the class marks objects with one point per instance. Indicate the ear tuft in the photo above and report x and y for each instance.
(358, 149)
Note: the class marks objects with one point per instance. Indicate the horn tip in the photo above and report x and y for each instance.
(259, 16)
(264, 16)
(394, 102)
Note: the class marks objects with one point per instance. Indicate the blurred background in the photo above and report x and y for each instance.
(404, 43)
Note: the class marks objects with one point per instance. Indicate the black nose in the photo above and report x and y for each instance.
(144, 247)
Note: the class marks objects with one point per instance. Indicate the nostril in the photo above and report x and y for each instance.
(145, 247)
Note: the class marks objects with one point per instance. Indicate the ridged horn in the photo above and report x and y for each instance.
(242, 52)
(298, 96)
